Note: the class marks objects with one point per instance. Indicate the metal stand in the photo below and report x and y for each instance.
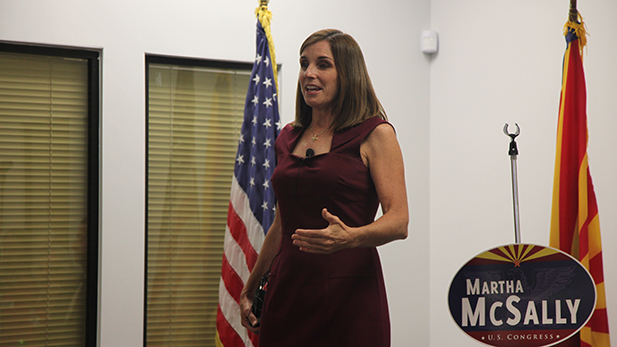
(513, 152)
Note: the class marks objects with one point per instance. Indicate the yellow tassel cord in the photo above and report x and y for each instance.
(265, 17)
(580, 29)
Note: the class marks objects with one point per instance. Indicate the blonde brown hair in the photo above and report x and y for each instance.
(356, 100)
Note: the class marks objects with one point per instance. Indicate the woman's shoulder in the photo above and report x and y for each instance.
(289, 129)
(287, 136)
(373, 123)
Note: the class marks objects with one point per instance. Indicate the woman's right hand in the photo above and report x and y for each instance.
(262, 265)
(248, 318)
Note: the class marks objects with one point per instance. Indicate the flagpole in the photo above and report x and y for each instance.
(513, 152)
(573, 11)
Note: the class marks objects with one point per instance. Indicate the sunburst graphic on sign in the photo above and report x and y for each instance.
(517, 253)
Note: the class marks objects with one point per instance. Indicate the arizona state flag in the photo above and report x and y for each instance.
(575, 226)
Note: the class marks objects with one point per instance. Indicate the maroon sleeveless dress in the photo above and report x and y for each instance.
(337, 299)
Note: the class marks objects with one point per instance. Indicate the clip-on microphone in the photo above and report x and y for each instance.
(310, 152)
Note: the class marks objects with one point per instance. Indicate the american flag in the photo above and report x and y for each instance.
(252, 204)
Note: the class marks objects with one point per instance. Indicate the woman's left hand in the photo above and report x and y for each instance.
(335, 237)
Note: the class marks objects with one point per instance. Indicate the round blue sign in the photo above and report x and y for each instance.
(522, 295)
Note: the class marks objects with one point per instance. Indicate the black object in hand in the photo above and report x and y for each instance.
(258, 298)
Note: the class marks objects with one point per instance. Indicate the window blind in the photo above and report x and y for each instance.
(43, 198)
(194, 120)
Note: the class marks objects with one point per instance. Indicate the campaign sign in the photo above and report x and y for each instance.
(522, 295)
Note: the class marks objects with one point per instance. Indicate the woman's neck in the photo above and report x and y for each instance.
(321, 120)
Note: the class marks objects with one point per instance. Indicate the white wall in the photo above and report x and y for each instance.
(388, 32)
(500, 62)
